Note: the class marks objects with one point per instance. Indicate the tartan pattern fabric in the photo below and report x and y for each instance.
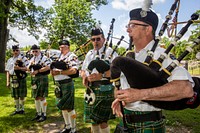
(42, 83)
(21, 91)
(66, 102)
(101, 110)
(144, 127)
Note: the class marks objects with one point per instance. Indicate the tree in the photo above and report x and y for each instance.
(4, 11)
(21, 14)
(67, 19)
(72, 19)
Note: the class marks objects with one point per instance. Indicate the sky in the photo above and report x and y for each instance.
(119, 10)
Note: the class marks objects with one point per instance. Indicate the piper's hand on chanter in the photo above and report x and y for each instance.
(55, 72)
(95, 77)
(85, 81)
(34, 72)
(17, 68)
(116, 108)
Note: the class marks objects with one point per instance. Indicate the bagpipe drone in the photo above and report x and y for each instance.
(148, 74)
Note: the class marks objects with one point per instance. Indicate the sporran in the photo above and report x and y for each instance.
(89, 96)
(57, 91)
(14, 82)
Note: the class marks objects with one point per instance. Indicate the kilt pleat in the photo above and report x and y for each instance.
(21, 91)
(42, 83)
(101, 110)
(66, 102)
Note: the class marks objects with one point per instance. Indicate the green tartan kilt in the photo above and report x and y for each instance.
(42, 83)
(66, 102)
(144, 127)
(21, 91)
(101, 110)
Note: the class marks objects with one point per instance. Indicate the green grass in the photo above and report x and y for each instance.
(22, 123)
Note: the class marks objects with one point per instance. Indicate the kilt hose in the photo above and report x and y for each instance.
(101, 110)
(66, 102)
(42, 83)
(144, 127)
(21, 91)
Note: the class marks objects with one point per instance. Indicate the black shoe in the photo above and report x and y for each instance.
(37, 117)
(42, 118)
(65, 130)
(22, 112)
(15, 112)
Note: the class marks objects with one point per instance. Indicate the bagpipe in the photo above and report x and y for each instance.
(148, 74)
(19, 73)
(64, 65)
(37, 66)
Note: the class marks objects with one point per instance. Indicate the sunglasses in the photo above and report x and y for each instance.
(132, 25)
(16, 50)
(96, 39)
(35, 51)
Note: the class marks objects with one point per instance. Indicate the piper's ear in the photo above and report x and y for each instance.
(149, 29)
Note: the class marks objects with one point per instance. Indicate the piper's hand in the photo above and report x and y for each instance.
(116, 108)
(55, 72)
(34, 72)
(95, 77)
(129, 95)
(16, 68)
(85, 81)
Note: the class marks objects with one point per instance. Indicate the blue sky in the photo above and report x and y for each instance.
(119, 9)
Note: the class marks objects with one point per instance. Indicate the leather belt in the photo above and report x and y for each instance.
(64, 81)
(136, 118)
(100, 82)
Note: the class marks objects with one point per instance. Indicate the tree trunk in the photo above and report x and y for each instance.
(4, 33)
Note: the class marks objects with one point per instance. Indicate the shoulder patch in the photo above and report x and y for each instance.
(172, 56)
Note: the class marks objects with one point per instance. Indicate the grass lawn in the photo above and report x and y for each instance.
(22, 123)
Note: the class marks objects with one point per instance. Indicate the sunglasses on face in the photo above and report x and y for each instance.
(96, 39)
(35, 51)
(132, 25)
(16, 50)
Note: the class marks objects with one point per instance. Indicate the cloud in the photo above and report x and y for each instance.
(44, 3)
(125, 4)
(23, 37)
(130, 4)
